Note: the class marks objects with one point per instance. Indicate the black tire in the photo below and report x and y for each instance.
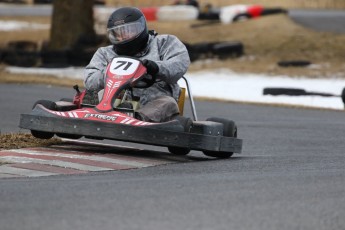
(69, 136)
(53, 59)
(186, 122)
(294, 63)
(179, 151)
(229, 130)
(22, 53)
(241, 17)
(343, 96)
(47, 104)
(67, 99)
(284, 91)
(41, 134)
(21, 58)
(225, 50)
(2, 55)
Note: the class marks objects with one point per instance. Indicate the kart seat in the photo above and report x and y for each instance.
(181, 100)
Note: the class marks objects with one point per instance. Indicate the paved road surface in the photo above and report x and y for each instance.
(320, 20)
(17, 99)
(291, 175)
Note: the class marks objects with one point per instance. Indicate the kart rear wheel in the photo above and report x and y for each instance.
(229, 130)
(186, 122)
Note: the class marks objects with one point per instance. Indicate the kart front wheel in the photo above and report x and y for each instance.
(186, 122)
(179, 150)
(216, 154)
(47, 104)
(69, 136)
(41, 134)
(229, 130)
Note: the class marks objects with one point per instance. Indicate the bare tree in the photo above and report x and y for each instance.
(72, 24)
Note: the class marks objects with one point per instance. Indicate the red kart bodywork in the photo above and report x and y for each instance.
(105, 121)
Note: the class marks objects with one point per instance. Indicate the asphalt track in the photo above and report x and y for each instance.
(291, 175)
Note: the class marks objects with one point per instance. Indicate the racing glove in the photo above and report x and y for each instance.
(151, 66)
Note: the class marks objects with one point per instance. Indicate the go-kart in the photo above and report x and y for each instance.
(107, 119)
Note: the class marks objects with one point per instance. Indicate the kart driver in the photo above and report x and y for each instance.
(164, 56)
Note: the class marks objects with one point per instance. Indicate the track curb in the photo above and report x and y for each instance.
(78, 157)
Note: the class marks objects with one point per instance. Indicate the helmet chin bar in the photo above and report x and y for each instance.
(134, 46)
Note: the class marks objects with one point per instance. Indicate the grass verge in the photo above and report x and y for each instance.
(24, 140)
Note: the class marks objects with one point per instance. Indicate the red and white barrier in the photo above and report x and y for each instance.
(228, 14)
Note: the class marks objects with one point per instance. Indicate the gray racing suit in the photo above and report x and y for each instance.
(172, 58)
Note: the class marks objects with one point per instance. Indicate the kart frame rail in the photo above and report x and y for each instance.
(158, 136)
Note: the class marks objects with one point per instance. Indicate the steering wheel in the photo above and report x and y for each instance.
(145, 82)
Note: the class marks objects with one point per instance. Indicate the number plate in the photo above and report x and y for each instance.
(123, 66)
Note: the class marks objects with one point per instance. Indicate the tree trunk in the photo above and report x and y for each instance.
(72, 24)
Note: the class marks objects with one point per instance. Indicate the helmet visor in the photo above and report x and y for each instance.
(126, 32)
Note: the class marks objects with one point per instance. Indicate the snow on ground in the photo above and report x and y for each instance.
(227, 85)
(15, 25)
(221, 84)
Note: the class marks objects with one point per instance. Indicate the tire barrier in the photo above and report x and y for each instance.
(54, 58)
(294, 63)
(298, 92)
(209, 15)
(177, 13)
(30, 54)
(301, 92)
(284, 91)
(63, 58)
(233, 13)
(21, 53)
(225, 50)
(26, 54)
(343, 96)
(150, 13)
(221, 50)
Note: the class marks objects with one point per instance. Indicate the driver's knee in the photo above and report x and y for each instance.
(161, 109)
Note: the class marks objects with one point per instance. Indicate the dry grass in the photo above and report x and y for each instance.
(21, 140)
(267, 40)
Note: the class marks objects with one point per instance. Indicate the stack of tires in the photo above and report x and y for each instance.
(30, 54)
(21, 53)
(220, 50)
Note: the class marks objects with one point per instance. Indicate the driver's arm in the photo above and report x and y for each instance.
(174, 59)
(94, 71)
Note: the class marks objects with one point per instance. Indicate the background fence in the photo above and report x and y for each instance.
(321, 4)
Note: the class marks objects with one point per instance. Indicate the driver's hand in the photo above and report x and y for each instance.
(148, 78)
(146, 81)
(151, 66)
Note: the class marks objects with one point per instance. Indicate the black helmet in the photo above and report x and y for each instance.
(127, 30)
